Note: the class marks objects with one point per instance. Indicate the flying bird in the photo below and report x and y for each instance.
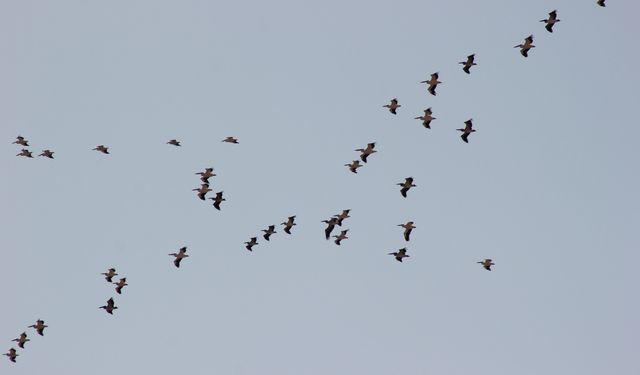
(121, 284)
(21, 141)
(182, 253)
(174, 142)
(524, 48)
(553, 18)
(408, 227)
(341, 236)
(601, 3)
(111, 272)
(102, 148)
(217, 200)
(47, 154)
(426, 118)
(230, 140)
(433, 83)
(269, 231)
(406, 185)
(353, 167)
(289, 224)
(487, 263)
(25, 153)
(22, 340)
(468, 129)
(393, 105)
(204, 176)
(402, 253)
(331, 223)
(341, 216)
(250, 244)
(365, 152)
(469, 63)
(109, 307)
(203, 190)
(39, 326)
(12, 354)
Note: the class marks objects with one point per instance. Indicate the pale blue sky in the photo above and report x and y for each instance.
(547, 187)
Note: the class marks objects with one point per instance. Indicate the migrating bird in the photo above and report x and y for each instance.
(203, 190)
(25, 153)
(469, 63)
(524, 48)
(204, 176)
(39, 326)
(433, 83)
(289, 224)
(341, 236)
(21, 141)
(269, 231)
(174, 142)
(230, 140)
(365, 152)
(111, 272)
(331, 223)
(12, 354)
(217, 200)
(406, 185)
(393, 105)
(553, 18)
(109, 307)
(47, 154)
(601, 3)
(402, 253)
(468, 129)
(182, 253)
(102, 148)
(343, 215)
(487, 263)
(21, 340)
(250, 244)
(426, 119)
(408, 227)
(353, 167)
(121, 284)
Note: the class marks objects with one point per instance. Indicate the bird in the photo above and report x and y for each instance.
(466, 130)
(393, 105)
(39, 326)
(102, 148)
(433, 83)
(12, 354)
(217, 200)
(250, 244)
(524, 48)
(22, 340)
(269, 231)
(553, 18)
(353, 167)
(406, 185)
(121, 284)
(203, 190)
(179, 256)
(204, 176)
(487, 263)
(341, 236)
(25, 153)
(402, 253)
(47, 154)
(426, 118)
(230, 140)
(408, 227)
(109, 307)
(21, 141)
(365, 152)
(174, 142)
(111, 272)
(289, 224)
(469, 63)
(331, 223)
(601, 3)
(341, 216)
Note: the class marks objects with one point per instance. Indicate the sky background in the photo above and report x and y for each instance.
(547, 187)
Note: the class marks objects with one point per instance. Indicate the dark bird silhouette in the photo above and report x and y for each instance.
(22, 340)
(203, 190)
(341, 236)
(601, 3)
(25, 153)
(406, 185)
(250, 244)
(289, 224)
(426, 118)
(12, 354)
(204, 176)
(111, 272)
(181, 254)
(174, 142)
(393, 105)
(365, 152)
(331, 223)
(552, 20)
(230, 140)
(487, 263)
(468, 129)
(269, 231)
(402, 253)
(524, 48)
(353, 167)
(408, 227)
(39, 326)
(469, 63)
(217, 200)
(341, 216)
(102, 148)
(21, 141)
(109, 307)
(47, 154)
(433, 83)
(121, 284)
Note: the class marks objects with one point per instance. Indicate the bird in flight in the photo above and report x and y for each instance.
(553, 18)
(102, 148)
(393, 105)
(230, 140)
(22, 340)
(601, 3)
(408, 227)
(353, 167)
(47, 154)
(204, 176)
(341, 216)
(12, 354)
(487, 263)
(426, 118)
(174, 142)
(402, 253)
(25, 153)
(181, 254)
(406, 185)
(468, 129)
(433, 83)
(269, 231)
(331, 223)
(289, 224)
(217, 200)
(21, 141)
(365, 152)
(109, 307)
(39, 326)
(251, 243)
(341, 236)
(121, 284)
(203, 190)
(524, 48)
(111, 272)
(469, 63)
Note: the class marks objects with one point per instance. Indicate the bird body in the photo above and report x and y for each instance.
(341, 236)
(408, 227)
(433, 83)
(230, 140)
(204, 176)
(121, 284)
(111, 272)
(526, 46)
(251, 243)
(181, 254)
(331, 223)
(487, 263)
(102, 148)
(289, 224)
(601, 3)
(341, 216)
(269, 231)
(12, 354)
(469, 63)
(402, 253)
(426, 118)
(393, 105)
(353, 167)
(47, 154)
(468, 129)
(39, 327)
(406, 185)
(109, 307)
(22, 340)
(174, 142)
(20, 140)
(218, 200)
(365, 152)
(203, 190)
(25, 153)
(552, 20)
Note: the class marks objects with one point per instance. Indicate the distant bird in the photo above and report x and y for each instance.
(353, 167)
(182, 253)
(426, 118)
(39, 326)
(406, 185)
(601, 3)
(365, 152)
(47, 154)
(469, 63)
(341, 236)
(331, 223)
(109, 307)
(402, 253)
(22, 340)
(174, 142)
(393, 105)
(269, 231)
(468, 129)
(433, 83)
(204, 176)
(524, 48)
(487, 263)
(12, 354)
(121, 284)
(111, 272)
(553, 18)
(25, 153)
(102, 148)
(408, 227)
(230, 140)
(21, 141)
(341, 216)
(250, 244)
(217, 200)
(289, 224)
(202, 191)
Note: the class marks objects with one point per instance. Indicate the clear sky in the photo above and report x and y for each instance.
(547, 187)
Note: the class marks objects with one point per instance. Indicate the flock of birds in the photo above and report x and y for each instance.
(335, 220)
